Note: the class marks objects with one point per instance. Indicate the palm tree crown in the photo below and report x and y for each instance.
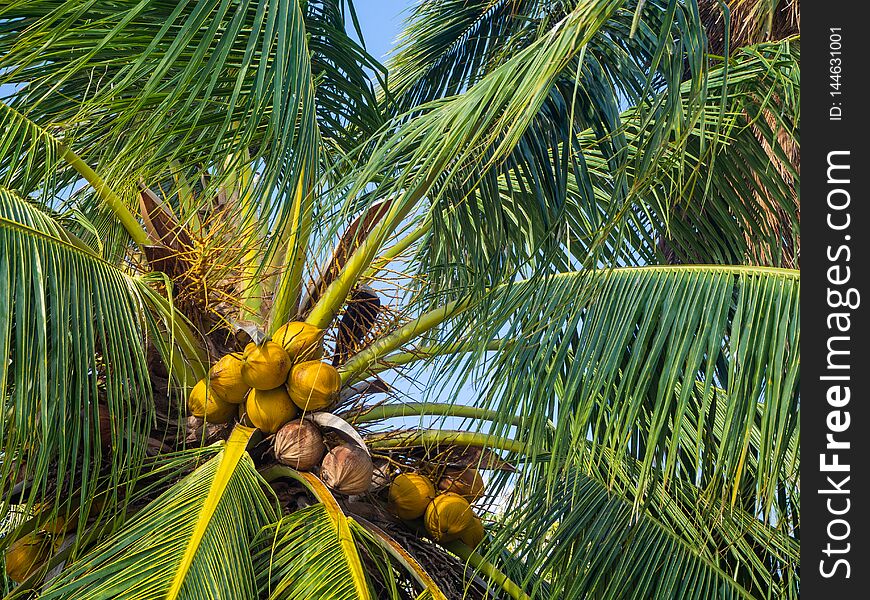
(514, 315)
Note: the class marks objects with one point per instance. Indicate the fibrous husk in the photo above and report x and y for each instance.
(347, 469)
(314, 385)
(204, 402)
(447, 516)
(265, 367)
(300, 340)
(300, 445)
(268, 410)
(473, 535)
(466, 482)
(225, 378)
(410, 494)
(26, 555)
(382, 475)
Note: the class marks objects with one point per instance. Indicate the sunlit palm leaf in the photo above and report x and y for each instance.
(223, 502)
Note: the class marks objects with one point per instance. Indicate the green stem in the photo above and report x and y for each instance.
(109, 197)
(336, 293)
(361, 361)
(403, 358)
(299, 231)
(395, 250)
(434, 437)
(488, 569)
(416, 409)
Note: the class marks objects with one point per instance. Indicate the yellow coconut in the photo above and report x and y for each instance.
(26, 555)
(265, 367)
(314, 385)
(410, 494)
(347, 469)
(466, 482)
(203, 402)
(301, 341)
(473, 535)
(225, 378)
(268, 410)
(447, 516)
(300, 445)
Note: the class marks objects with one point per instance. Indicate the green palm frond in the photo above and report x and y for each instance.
(193, 541)
(463, 142)
(138, 87)
(301, 556)
(72, 338)
(593, 545)
(613, 358)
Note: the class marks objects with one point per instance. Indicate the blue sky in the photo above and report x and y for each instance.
(381, 22)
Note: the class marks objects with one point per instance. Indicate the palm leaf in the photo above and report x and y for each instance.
(72, 338)
(191, 542)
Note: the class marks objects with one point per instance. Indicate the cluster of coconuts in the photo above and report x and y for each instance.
(345, 468)
(272, 383)
(447, 513)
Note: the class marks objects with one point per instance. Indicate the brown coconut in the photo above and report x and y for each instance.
(300, 445)
(347, 469)
(466, 482)
(300, 340)
(268, 410)
(314, 385)
(26, 555)
(225, 378)
(410, 494)
(265, 367)
(447, 516)
(203, 402)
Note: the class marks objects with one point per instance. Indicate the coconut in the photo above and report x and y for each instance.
(381, 475)
(466, 482)
(314, 385)
(26, 555)
(268, 410)
(410, 494)
(447, 516)
(473, 535)
(301, 341)
(203, 402)
(347, 469)
(265, 367)
(300, 445)
(225, 378)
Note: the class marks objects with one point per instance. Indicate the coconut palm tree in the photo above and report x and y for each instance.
(536, 245)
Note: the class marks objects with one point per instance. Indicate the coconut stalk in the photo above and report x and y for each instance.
(435, 437)
(298, 233)
(335, 295)
(108, 196)
(417, 409)
(488, 569)
(413, 329)
(399, 359)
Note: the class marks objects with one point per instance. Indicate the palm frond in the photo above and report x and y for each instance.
(301, 556)
(139, 87)
(222, 503)
(72, 334)
(592, 544)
